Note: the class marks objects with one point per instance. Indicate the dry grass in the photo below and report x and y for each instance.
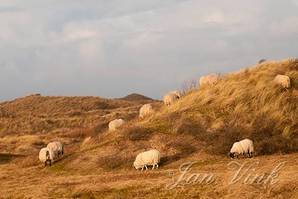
(38, 114)
(201, 126)
(245, 104)
(38, 182)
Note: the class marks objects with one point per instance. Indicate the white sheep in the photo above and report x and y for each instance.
(147, 158)
(283, 80)
(145, 110)
(243, 147)
(178, 93)
(46, 156)
(57, 148)
(210, 79)
(171, 97)
(115, 124)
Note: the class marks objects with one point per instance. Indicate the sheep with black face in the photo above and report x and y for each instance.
(243, 147)
(147, 158)
(57, 148)
(47, 156)
(171, 97)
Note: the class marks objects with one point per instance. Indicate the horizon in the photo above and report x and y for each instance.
(109, 98)
(112, 49)
(116, 97)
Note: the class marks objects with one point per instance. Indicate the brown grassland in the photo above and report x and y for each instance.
(200, 127)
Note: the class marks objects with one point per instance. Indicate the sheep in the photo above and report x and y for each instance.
(57, 148)
(115, 124)
(176, 93)
(244, 147)
(46, 156)
(144, 159)
(210, 79)
(145, 110)
(171, 97)
(283, 80)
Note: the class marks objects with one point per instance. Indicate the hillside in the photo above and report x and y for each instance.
(135, 97)
(242, 104)
(30, 121)
(46, 114)
(200, 127)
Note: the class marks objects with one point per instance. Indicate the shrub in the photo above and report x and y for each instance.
(115, 161)
(188, 86)
(100, 127)
(80, 133)
(137, 133)
(188, 126)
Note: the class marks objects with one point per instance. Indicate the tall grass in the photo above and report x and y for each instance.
(246, 104)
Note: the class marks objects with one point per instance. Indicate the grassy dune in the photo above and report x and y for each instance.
(200, 127)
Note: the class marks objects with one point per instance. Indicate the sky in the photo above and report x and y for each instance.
(111, 48)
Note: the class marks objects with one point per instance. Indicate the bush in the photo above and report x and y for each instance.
(101, 127)
(115, 161)
(188, 86)
(187, 126)
(136, 133)
(81, 133)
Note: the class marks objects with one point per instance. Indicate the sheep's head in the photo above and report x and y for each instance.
(137, 165)
(287, 83)
(232, 155)
(177, 93)
(47, 155)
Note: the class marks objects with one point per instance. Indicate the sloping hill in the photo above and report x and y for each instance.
(243, 104)
(200, 127)
(35, 113)
(135, 97)
(246, 104)
(27, 123)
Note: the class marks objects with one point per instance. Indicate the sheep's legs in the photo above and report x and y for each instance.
(250, 155)
(155, 166)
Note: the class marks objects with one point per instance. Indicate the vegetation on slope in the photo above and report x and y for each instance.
(246, 104)
(98, 163)
(38, 114)
(210, 119)
(27, 124)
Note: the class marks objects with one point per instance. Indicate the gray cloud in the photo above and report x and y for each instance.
(111, 48)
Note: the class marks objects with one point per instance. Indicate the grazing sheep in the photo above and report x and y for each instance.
(210, 79)
(145, 110)
(46, 156)
(151, 157)
(115, 124)
(171, 97)
(57, 148)
(244, 147)
(283, 80)
(176, 93)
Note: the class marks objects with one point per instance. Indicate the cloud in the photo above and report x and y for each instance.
(111, 48)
